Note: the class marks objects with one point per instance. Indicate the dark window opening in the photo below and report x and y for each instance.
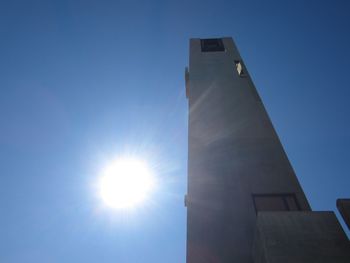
(275, 202)
(212, 45)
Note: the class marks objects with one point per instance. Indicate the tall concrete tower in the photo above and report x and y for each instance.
(236, 163)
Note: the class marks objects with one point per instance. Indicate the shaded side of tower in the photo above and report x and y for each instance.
(237, 166)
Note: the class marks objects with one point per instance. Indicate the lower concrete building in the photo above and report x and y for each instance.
(343, 206)
(298, 237)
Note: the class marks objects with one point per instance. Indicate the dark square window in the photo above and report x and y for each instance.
(275, 202)
(212, 45)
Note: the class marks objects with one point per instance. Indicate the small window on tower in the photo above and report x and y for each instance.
(239, 68)
(212, 45)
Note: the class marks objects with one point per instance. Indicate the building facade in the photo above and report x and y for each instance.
(237, 167)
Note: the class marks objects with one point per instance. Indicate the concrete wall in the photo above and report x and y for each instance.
(343, 206)
(300, 237)
(234, 152)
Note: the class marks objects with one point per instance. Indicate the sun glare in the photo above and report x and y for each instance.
(126, 183)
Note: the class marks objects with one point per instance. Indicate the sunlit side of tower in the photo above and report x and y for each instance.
(236, 164)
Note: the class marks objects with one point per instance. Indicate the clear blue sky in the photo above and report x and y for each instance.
(81, 81)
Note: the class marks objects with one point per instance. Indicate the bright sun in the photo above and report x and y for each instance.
(125, 183)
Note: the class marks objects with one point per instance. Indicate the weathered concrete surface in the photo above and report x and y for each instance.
(343, 206)
(300, 237)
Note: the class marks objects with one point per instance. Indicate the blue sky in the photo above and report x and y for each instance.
(83, 81)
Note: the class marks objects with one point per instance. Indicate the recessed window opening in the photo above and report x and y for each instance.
(275, 202)
(212, 45)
